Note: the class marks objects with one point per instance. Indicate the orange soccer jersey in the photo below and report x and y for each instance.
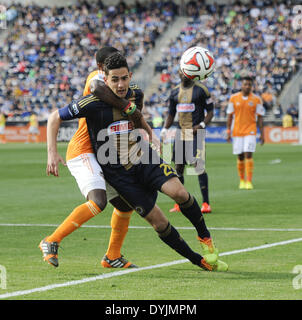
(245, 111)
(80, 142)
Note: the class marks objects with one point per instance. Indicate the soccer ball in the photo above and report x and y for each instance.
(197, 63)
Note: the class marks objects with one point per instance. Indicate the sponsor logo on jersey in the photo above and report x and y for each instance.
(251, 103)
(120, 127)
(75, 108)
(185, 107)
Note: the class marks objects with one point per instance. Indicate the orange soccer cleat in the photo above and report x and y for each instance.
(206, 208)
(175, 208)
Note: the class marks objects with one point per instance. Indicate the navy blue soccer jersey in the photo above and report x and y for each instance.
(190, 104)
(104, 121)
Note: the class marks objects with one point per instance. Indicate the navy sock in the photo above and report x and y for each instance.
(204, 186)
(172, 238)
(191, 210)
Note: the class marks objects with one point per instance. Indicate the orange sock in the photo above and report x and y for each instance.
(78, 216)
(241, 168)
(119, 228)
(249, 168)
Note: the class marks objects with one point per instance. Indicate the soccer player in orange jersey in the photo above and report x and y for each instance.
(245, 111)
(83, 165)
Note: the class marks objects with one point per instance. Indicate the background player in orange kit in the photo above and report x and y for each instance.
(245, 112)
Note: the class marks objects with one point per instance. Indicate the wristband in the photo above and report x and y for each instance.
(129, 109)
(202, 124)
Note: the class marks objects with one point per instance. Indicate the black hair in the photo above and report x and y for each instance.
(115, 61)
(104, 53)
(248, 78)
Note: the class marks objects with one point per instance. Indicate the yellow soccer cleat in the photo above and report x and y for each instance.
(249, 185)
(209, 251)
(219, 266)
(242, 184)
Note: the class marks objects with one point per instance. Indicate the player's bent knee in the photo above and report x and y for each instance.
(181, 195)
(99, 197)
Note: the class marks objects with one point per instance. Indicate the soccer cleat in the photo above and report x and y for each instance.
(242, 184)
(50, 252)
(219, 266)
(206, 208)
(205, 266)
(175, 208)
(209, 251)
(120, 262)
(249, 185)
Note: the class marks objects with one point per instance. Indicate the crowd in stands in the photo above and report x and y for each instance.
(49, 51)
(254, 39)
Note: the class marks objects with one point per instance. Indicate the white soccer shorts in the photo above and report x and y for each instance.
(2, 130)
(87, 172)
(244, 144)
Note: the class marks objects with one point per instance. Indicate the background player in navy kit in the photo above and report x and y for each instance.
(190, 99)
(139, 182)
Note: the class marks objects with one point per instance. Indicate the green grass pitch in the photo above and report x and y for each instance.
(31, 204)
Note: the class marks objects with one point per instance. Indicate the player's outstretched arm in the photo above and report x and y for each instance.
(53, 157)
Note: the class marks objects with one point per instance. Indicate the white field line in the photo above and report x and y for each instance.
(123, 272)
(147, 227)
